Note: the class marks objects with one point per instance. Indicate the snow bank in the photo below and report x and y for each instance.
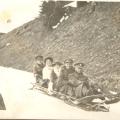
(24, 103)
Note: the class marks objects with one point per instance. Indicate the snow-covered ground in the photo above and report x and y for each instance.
(24, 103)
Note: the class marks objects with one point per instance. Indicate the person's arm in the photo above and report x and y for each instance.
(43, 73)
(61, 77)
(73, 81)
(35, 70)
(53, 76)
(86, 81)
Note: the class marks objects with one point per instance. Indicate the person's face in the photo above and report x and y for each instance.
(39, 61)
(48, 62)
(78, 69)
(68, 65)
(56, 67)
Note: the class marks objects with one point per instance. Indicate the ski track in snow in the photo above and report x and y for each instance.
(24, 103)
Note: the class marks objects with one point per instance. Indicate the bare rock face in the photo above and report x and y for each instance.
(90, 35)
(2, 104)
(2, 34)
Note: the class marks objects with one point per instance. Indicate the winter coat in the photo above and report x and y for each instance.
(78, 85)
(63, 78)
(37, 70)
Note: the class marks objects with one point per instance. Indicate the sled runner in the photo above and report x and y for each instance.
(86, 102)
(91, 106)
(54, 93)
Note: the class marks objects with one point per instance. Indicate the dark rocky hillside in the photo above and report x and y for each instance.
(90, 35)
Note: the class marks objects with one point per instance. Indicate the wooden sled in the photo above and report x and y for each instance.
(84, 103)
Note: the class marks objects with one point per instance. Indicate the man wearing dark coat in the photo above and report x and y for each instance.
(65, 70)
(78, 82)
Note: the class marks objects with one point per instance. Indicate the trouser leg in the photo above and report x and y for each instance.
(45, 83)
(78, 91)
(37, 79)
(81, 91)
(50, 86)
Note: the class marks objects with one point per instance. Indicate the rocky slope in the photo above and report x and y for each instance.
(90, 35)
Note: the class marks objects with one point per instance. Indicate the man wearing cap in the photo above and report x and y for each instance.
(78, 82)
(65, 70)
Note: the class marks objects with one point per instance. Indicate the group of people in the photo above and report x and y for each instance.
(67, 78)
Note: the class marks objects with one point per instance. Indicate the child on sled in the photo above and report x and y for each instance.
(37, 68)
(48, 74)
(65, 70)
(78, 84)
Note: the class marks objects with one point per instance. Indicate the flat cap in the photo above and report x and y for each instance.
(38, 56)
(79, 64)
(68, 61)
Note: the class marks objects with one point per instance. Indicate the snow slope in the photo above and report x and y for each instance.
(24, 103)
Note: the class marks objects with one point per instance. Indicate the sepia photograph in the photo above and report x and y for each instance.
(60, 59)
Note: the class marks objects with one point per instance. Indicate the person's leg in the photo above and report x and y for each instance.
(78, 91)
(58, 86)
(64, 87)
(69, 91)
(37, 78)
(45, 83)
(55, 85)
(50, 87)
(84, 91)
